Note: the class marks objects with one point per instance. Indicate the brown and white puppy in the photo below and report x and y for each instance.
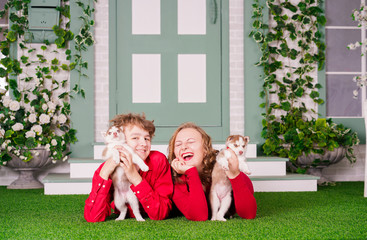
(221, 189)
(123, 194)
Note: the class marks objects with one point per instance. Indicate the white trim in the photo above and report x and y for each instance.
(343, 73)
(343, 27)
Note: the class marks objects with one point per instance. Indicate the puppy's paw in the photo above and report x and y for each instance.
(247, 172)
(140, 219)
(144, 168)
(225, 167)
(221, 219)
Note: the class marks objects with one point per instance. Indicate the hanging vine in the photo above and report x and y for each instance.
(292, 50)
(38, 114)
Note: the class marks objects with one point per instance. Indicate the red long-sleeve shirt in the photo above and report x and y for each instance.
(191, 199)
(154, 192)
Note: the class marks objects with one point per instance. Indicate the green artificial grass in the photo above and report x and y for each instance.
(333, 212)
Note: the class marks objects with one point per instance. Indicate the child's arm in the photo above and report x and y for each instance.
(190, 198)
(97, 206)
(155, 190)
(243, 194)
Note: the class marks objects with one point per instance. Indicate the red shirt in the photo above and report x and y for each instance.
(191, 199)
(154, 192)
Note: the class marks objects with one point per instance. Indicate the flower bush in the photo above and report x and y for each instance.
(43, 122)
(34, 107)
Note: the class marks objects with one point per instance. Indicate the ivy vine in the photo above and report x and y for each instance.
(292, 50)
(38, 113)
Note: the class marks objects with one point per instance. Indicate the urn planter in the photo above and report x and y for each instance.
(317, 162)
(26, 179)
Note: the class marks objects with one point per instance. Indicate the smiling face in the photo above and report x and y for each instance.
(189, 147)
(139, 140)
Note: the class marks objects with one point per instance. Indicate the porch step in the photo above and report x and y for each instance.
(61, 183)
(287, 183)
(261, 166)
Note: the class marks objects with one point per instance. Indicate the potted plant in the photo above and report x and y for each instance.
(35, 127)
(292, 49)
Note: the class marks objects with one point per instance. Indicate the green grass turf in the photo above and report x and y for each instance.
(333, 212)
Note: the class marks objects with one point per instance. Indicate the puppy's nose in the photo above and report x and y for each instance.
(114, 134)
(241, 152)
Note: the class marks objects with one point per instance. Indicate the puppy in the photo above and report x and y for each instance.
(123, 194)
(221, 189)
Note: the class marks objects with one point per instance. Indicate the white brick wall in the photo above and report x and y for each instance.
(101, 71)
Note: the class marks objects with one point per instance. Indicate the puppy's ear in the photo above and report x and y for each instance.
(247, 139)
(229, 138)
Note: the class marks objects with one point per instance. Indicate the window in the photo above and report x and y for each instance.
(342, 64)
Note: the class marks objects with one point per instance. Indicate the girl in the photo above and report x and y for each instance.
(192, 158)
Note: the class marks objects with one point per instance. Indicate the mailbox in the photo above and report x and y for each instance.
(42, 16)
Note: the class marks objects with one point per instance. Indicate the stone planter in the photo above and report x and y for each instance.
(326, 159)
(26, 179)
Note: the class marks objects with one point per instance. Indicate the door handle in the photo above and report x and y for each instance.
(213, 11)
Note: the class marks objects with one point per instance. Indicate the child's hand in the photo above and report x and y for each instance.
(131, 170)
(180, 166)
(108, 168)
(233, 166)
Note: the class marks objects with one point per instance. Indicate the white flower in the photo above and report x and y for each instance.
(36, 154)
(18, 127)
(14, 106)
(44, 106)
(55, 153)
(37, 129)
(54, 161)
(65, 158)
(47, 147)
(3, 146)
(9, 148)
(352, 46)
(2, 91)
(51, 106)
(62, 118)
(32, 118)
(45, 96)
(44, 118)
(53, 142)
(1, 115)
(63, 142)
(2, 132)
(6, 101)
(30, 134)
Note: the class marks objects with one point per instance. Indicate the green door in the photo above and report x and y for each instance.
(169, 63)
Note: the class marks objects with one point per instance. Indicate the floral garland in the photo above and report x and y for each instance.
(360, 16)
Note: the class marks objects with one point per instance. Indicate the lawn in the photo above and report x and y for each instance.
(333, 212)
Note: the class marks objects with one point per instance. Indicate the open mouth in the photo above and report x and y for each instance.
(187, 156)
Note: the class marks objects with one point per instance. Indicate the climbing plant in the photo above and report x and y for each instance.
(292, 50)
(37, 111)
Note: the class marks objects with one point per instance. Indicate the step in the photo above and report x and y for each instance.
(99, 147)
(261, 166)
(62, 184)
(287, 183)
(83, 167)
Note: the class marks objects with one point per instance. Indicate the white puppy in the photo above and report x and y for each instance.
(221, 189)
(123, 194)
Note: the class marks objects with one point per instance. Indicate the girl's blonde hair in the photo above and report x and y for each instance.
(209, 153)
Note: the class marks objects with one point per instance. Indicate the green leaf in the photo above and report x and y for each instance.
(11, 36)
(31, 143)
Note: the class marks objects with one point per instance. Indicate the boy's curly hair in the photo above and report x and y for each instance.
(131, 119)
